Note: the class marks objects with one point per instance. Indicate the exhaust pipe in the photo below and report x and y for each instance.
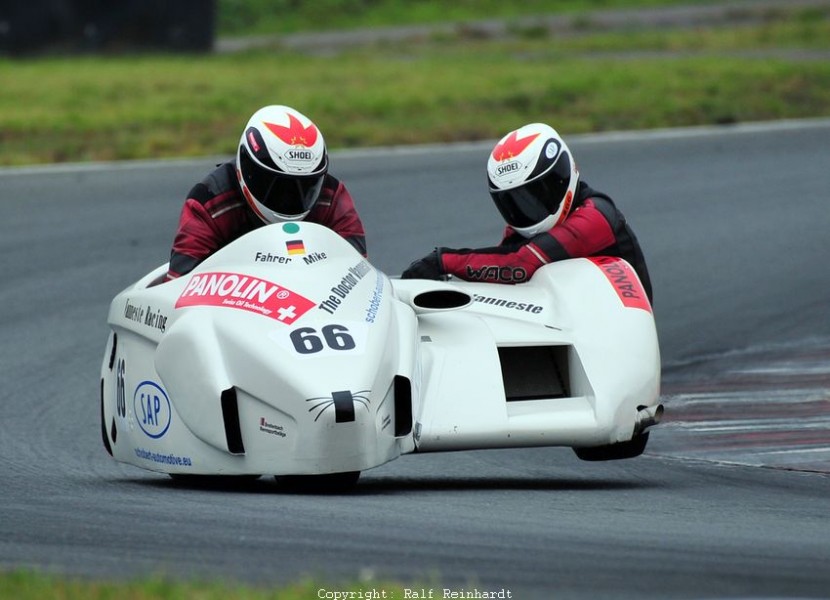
(646, 417)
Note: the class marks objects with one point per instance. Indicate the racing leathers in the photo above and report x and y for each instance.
(215, 214)
(594, 227)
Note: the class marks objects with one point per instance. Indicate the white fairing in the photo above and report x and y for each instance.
(289, 353)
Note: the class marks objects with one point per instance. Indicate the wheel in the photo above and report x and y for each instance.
(331, 483)
(620, 450)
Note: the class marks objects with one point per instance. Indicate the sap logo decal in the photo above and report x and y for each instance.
(151, 407)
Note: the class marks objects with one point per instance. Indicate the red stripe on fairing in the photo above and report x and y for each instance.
(624, 281)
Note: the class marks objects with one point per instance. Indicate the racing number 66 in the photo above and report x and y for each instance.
(306, 340)
(120, 392)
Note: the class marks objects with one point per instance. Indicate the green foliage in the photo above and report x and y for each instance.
(245, 17)
(446, 89)
(22, 585)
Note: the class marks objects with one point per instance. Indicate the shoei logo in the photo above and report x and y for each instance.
(508, 168)
(151, 407)
(299, 155)
(244, 292)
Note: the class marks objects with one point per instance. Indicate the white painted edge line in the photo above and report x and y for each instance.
(585, 138)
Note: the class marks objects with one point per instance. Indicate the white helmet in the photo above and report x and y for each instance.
(281, 163)
(532, 178)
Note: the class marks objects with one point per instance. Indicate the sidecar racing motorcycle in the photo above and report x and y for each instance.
(287, 353)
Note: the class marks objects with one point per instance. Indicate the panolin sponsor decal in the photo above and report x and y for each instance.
(244, 292)
(624, 280)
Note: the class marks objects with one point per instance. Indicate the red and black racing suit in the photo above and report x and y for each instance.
(595, 227)
(215, 214)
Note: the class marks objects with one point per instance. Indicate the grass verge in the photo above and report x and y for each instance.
(436, 90)
(22, 585)
(246, 17)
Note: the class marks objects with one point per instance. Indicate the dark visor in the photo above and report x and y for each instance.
(537, 199)
(285, 194)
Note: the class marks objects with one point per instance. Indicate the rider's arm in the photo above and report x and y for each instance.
(205, 226)
(586, 232)
(336, 210)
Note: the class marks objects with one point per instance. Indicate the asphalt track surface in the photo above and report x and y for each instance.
(730, 499)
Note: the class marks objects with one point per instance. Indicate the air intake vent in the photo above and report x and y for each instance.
(230, 413)
(112, 352)
(403, 406)
(534, 372)
(441, 300)
(104, 425)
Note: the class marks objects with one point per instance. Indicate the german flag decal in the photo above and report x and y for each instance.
(295, 247)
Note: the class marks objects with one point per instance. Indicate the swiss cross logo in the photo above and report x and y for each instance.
(244, 292)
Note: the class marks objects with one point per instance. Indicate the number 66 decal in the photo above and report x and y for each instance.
(330, 339)
(306, 340)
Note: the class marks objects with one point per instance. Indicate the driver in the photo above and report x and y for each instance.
(551, 215)
(280, 174)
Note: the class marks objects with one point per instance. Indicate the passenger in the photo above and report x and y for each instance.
(280, 174)
(551, 215)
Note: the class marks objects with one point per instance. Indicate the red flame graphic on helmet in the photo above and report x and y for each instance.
(295, 134)
(512, 146)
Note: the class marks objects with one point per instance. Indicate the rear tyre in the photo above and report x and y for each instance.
(331, 483)
(618, 451)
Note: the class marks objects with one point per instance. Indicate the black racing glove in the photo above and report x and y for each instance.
(428, 267)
